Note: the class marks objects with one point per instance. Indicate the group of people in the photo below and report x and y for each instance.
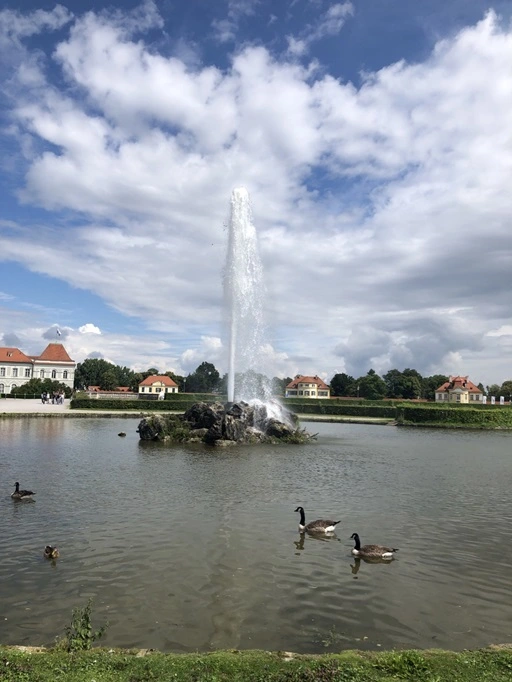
(53, 398)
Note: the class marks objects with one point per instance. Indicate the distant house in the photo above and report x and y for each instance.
(156, 386)
(458, 390)
(307, 387)
(17, 369)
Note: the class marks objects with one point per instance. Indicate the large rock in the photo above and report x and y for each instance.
(215, 423)
(203, 415)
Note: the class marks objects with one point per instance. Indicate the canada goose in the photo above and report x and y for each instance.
(21, 494)
(51, 552)
(318, 526)
(371, 551)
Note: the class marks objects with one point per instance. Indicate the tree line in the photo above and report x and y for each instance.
(407, 384)
(204, 379)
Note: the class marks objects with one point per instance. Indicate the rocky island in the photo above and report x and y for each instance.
(225, 424)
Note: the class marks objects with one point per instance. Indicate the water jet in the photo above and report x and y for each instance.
(251, 414)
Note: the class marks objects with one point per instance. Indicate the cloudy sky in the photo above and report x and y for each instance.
(374, 138)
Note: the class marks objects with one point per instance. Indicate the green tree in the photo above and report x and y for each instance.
(278, 386)
(253, 384)
(223, 384)
(203, 380)
(152, 371)
(431, 384)
(506, 389)
(38, 386)
(394, 380)
(125, 376)
(342, 385)
(372, 386)
(89, 372)
(109, 380)
(136, 379)
(413, 384)
(494, 390)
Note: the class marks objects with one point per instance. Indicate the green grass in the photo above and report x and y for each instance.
(102, 665)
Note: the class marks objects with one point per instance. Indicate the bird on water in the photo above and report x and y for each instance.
(21, 494)
(318, 526)
(371, 551)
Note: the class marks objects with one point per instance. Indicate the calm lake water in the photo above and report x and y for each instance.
(189, 548)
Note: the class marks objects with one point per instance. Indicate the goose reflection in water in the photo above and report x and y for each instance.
(368, 560)
(299, 544)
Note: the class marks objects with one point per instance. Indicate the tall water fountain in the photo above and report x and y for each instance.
(245, 296)
(250, 415)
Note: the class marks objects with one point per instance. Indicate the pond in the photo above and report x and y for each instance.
(186, 548)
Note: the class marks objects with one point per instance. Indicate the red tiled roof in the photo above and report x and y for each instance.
(119, 389)
(13, 355)
(54, 352)
(320, 383)
(163, 378)
(459, 382)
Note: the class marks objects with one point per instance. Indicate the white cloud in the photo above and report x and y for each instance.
(329, 23)
(14, 25)
(89, 328)
(378, 207)
(505, 330)
(226, 29)
(297, 47)
(332, 21)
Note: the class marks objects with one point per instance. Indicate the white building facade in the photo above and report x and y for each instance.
(17, 369)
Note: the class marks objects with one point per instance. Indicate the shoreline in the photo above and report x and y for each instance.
(11, 408)
(38, 664)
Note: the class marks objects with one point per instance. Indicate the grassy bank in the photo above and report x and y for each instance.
(493, 664)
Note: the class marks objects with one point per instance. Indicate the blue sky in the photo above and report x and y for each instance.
(374, 139)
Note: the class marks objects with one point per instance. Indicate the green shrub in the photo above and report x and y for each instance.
(79, 635)
(80, 403)
(327, 407)
(477, 417)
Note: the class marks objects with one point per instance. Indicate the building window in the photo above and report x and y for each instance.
(65, 374)
(13, 386)
(142, 389)
(27, 373)
(15, 371)
(41, 374)
(2, 388)
(2, 371)
(54, 374)
(150, 389)
(157, 390)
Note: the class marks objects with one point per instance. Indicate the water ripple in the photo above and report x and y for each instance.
(189, 548)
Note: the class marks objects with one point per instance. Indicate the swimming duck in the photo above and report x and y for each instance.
(21, 494)
(371, 551)
(318, 526)
(51, 552)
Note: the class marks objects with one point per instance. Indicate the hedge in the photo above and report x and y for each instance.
(135, 405)
(327, 408)
(469, 417)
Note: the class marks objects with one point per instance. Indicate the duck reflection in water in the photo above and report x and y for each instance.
(367, 560)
